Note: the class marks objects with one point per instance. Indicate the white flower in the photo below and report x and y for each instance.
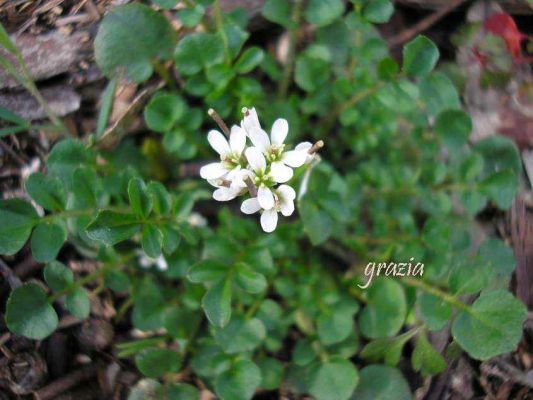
(304, 147)
(230, 153)
(231, 186)
(284, 202)
(273, 147)
(147, 262)
(260, 178)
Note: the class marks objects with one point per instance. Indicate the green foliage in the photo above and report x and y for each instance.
(398, 181)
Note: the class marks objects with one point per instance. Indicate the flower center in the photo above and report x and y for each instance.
(274, 152)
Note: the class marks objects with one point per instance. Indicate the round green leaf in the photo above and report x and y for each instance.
(155, 362)
(271, 372)
(217, 303)
(334, 326)
(28, 312)
(453, 127)
(278, 11)
(58, 276)
(382, 382)
(182, 391)
(378, 11)
(250, 59)
(192, 16)
(46, 191)
(78, 303)
(492, 325)
(249, 280)
(435, 311)
(420, 56)
(129, 38)
(334, 379)
(385, 311)
(162, 112)
(152, 240)
(197, 51)
(66, 156)
(18, 218)
(438, 93)
(46, 241)
(239, 382)
(241, 335)
(323, 12)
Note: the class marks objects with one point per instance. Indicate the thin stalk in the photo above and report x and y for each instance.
(291, 52)
(448, 298)
(164, 74)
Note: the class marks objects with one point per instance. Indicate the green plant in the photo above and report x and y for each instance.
(398, 181)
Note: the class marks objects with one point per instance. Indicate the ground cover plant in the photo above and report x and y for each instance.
(344, 155)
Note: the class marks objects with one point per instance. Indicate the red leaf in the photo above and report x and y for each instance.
(503, 25)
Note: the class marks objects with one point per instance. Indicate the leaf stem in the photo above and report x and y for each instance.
(448, 298)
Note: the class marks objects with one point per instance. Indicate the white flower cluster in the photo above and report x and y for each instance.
(262, 169)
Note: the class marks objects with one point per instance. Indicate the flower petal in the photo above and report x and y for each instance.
(237, 179)
(250, 206)
(250, 122)
(259, 139)
(269, 220)
(280, 172)
(286, 192)
(237, 139)
(294, 158)
(279, 131)
(255, 158)
(218, 142)
(225, 194)
(213, 171)
(265, 197)
(303, 146)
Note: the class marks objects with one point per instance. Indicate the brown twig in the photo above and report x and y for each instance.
(61, 385)
(424, 24)
(213, 114)
(252, 189)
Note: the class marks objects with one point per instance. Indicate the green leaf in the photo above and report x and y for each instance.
(317, 224)
(110, 227)
(438, 93)
(197, 51)
(385, 311)
(453, 127)
(217, 303)
(206, 271)
(469, 276)
(140, 201)
(501, 187)
(496, 253)
(249, 280)
(18, 218)
(58, 276)
(278, 11)
(48, 192)
(163, 111)
(29, 314)
(106, 107)
(388, 349)
(420, 56)
(155, 362)
(46, 241)
(152, 240)
(426, 359)
(387, 68)
(248, 60)
(117, 281)
(491, 326)
(311, 71)
(161, 199)
(130, 38)
(65, 157)
(78, 304)
(182, 391)
(6, 42)
(378, 11)
(334, 379)
(192, 16)
(435, 311)
(382, 382)
(323, 12)
(499, 153)
(271, 372)
(334, 326)
(84, 187)
(239, 382)
(166, 4)
(240, 335)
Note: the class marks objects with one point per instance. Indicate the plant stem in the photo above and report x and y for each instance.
(219, 22)
(162, 71)
(291, 52)
(448, 298)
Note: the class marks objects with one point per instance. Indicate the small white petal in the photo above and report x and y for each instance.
(269, 220)
(279, 131)
(218, 142)
(213, 171)
(303, 146)
(250, 122)
(286, 192)
(237, 139)
(259, 139)
(255, 158)
(250, 206)
(287, 207)
(237, 179)
(225, 194)
(265, 197)
(294, 158)
(280, 172)
(161, 263)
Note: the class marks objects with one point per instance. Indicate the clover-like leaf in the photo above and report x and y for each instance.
(18, 218)
(420, 56)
